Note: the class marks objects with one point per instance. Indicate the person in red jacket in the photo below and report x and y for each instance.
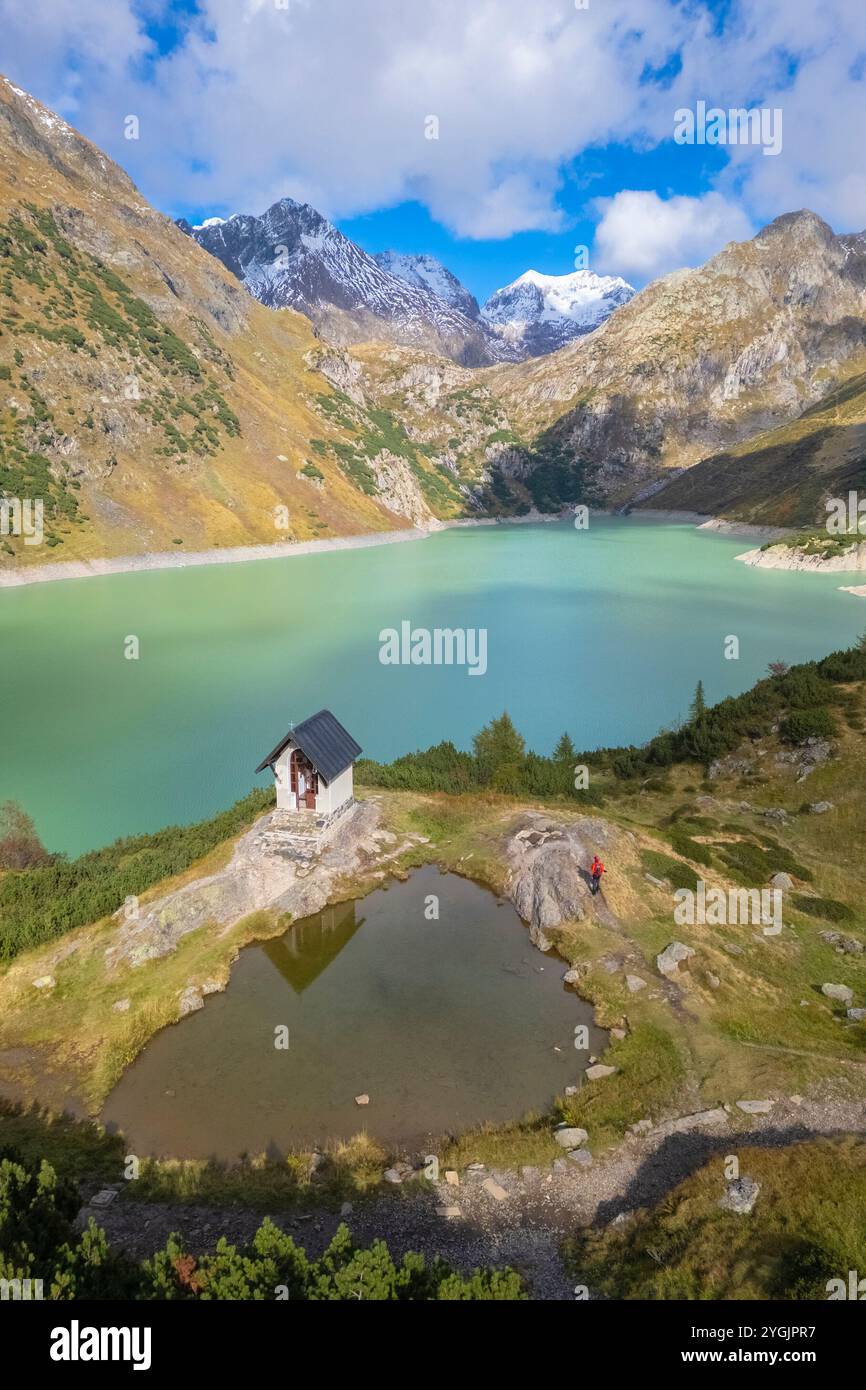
(596, 871)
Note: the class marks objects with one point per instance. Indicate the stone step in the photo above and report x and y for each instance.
(297, 822)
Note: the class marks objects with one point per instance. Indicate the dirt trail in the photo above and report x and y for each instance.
(525, 1229)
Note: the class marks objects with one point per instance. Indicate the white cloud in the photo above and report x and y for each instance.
(327, 100)
(641, 235)
(330, 99)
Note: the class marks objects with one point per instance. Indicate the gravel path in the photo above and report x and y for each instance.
(525, 1228)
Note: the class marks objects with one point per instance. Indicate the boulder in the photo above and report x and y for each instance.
(452, 1178)
(391, 1175)
(599, 1072)
(841, 993)
(856, 1015)
(104, 1197)
(44, 982)
(783, 881)
(570, 1137)
(549, 883)
(362, 1100)
(572, 976)
(740, 1196)
(448, 1213)
(582, 1157)
(633, 983)
(671, 958)
(121, 1006)
(755, 1107)
(684, 1124)
(820, 808)
(846, 944)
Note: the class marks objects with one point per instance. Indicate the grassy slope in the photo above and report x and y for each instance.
(805, 1229)
(101, 451)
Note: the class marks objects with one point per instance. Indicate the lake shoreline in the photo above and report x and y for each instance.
(243, 554)
(284, 550)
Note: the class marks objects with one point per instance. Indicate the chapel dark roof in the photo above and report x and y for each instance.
(329, 747)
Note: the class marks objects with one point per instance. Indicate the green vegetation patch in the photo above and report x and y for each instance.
(41, 903)
(78, 304)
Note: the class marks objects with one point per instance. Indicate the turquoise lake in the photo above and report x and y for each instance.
(603, 632)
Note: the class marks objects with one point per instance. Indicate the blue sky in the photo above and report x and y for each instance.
(486, 265)
(557, 121)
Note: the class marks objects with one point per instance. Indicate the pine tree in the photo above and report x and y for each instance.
(498, 745)
(565, 751)
(699, 704)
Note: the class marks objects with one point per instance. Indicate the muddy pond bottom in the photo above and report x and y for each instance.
(445, 1021)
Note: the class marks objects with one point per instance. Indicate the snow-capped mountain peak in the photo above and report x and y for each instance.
(426, 273)
(293, 257)
(543, 312)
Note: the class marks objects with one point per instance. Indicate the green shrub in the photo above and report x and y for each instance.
(38, 1240)
(661, 865)
(828, 908)
(805, 724)
(272, 1267)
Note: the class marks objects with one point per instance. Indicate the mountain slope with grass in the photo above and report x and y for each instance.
(145, 397)
(697, 363)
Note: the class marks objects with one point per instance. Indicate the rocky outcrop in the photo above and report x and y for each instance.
(792, 557)
(549, 880)
(398, 489)
(740, 1196)
(256, 878)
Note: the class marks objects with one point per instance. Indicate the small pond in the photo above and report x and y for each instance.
(443, 1023)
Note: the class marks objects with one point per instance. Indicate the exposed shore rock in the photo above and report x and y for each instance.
(788, 557)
